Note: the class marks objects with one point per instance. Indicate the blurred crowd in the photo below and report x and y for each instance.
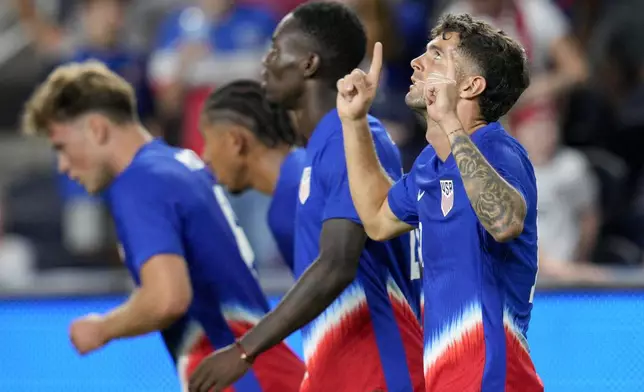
(581, 120)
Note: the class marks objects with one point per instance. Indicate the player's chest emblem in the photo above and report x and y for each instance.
(305, 185)
(447, 196)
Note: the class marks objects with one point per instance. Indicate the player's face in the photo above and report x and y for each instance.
(80, 155)
(282, 75)
(102, 20)
(222, 154)
(433, 60)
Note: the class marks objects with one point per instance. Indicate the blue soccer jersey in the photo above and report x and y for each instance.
(281, 213)
(165, 202)
(369, 338)
(477, 292)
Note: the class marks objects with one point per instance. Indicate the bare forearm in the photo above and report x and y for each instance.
(141, 314)
(367, 179)
(499, 207)
(316, 289)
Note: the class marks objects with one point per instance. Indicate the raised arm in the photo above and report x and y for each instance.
(341, 243)
(368, 181)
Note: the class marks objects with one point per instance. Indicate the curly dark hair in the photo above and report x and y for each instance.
(501, 60)
(338, 34)
(269, 122)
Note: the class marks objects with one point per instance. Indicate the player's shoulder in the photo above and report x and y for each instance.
(295, 160)
(157, 166)
(290, 172)
(378, 129)
(502, 148)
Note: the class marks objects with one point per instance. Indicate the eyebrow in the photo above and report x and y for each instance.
(434, 47)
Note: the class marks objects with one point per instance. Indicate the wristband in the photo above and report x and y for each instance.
(244, 354)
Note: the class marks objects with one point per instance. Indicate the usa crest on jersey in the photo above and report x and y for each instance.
(447, 196)
(305, 185)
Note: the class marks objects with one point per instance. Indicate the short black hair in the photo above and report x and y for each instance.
(338, 33)
(501, 60)
(243, 102)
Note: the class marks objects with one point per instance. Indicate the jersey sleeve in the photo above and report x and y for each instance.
(148, 223)
(402, 199)
(512, 164)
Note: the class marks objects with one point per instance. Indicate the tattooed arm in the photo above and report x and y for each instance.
(500, 207)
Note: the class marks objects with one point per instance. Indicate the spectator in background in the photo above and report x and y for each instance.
(279, 7)
(102, 23)
(202, 46)
(620, 66)
(556, 60)
(568, 205)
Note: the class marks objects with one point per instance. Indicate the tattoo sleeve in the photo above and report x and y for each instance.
(500, 207)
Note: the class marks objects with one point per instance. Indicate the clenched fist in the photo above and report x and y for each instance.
(87, 334)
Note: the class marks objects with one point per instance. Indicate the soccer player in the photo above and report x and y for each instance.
(249, 144)
(354, 297)
(473, 195)
(179, 236)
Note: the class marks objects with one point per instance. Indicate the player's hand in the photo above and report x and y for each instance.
(88, 333)
(441, 92)
(357, 90)
(218, 370)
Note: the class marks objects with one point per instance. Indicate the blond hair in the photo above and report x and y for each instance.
(75, 89)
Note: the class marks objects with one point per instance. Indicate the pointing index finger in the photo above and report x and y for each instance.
(376, 64)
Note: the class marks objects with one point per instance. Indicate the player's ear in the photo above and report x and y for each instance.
(98, 128)
(236, 141)
(310, 65)
(472, 87)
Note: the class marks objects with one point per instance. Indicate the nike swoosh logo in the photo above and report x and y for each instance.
(420, 195)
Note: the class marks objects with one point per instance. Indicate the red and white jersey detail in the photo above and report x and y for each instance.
(348, 310)
(521, 375)
(399, 302)
(454, 359)
(233, 313)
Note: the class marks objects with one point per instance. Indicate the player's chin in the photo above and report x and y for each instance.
(270, 92)
(236, 191)
(415, 101)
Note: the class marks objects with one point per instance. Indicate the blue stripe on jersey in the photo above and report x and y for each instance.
(388, 338)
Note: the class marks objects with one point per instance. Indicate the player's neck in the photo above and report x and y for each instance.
(313, 106)
(127, 145)
(265, 170)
